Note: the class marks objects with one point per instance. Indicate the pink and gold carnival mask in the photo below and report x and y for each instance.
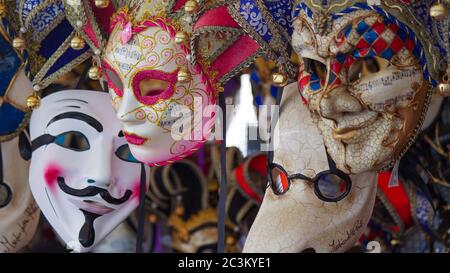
(160, 96)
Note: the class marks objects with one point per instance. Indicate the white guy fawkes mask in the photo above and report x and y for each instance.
(364, 86)
(19, 213)
(82, 173)
(299, 220)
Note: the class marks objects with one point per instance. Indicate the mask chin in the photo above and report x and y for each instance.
(303, 222)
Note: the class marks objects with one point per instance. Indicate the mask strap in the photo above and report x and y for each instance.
(1, 164)
(331, 163)
(141, 223)
(223, 178)
(273, 124)
(155, 246)
(84, 75)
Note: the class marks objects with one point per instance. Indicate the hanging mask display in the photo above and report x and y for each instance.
(82, 173)
(366, 75)
(19, 213)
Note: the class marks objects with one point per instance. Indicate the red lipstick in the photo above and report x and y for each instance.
(134, 139)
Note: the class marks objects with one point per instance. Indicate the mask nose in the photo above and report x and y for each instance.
(337, 102)
(130, 110)
(101, 174)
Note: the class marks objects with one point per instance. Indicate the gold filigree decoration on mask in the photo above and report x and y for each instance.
(183, 228)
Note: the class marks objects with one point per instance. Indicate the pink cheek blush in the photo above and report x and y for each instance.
(51, 175)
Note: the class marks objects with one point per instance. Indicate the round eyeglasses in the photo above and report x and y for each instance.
(330, 186)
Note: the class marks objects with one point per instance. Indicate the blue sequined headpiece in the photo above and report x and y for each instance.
(47, 55)
(270, 24)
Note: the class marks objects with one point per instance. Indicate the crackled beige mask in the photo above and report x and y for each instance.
(298, 220)
(363, 85)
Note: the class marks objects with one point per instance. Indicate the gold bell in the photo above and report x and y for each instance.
(77, 43)
(191, 6)
(439, 11)
(33, 101)
(183, 235)
(279, 79)
(94, 73)
(179, 210)
(18, 43)
(2, 10)
(153, 218)
(444, 89)
(183, 76)
(230, 240)
(101, 3)
(181, 37)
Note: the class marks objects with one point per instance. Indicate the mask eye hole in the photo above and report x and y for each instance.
(366, 66)
(315, 68)
(152, 87)
(114, 81)
(75, 141)
(124, 153)
(5, 194)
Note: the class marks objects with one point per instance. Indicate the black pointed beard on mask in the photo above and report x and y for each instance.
(87, 231)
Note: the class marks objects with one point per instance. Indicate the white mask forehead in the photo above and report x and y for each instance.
(20, 216)
(96, 104)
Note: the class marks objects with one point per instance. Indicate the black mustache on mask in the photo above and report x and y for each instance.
(92, 191)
